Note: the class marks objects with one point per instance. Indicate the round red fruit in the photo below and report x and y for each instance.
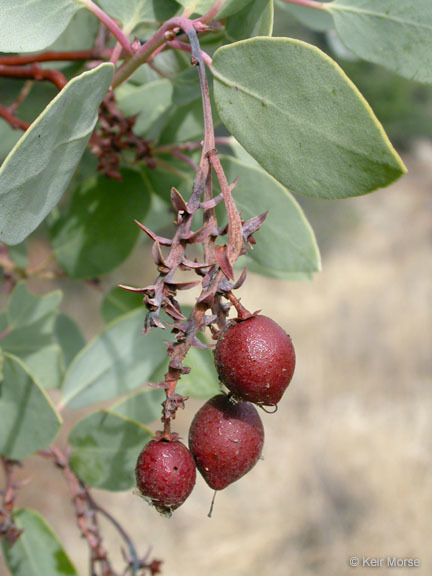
(165, 474)
(255, 359)
(226, 440)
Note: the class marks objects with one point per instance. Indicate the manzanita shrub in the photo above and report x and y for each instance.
(109, 111)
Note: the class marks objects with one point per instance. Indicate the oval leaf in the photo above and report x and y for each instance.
(134, 12)
(394, 33)
(297, 113)
(104, 449)
(285, 242)
(149, 102)
(117, 361)
(29, 337)
(255, 19)
(30, 25)
(37, 551)
(202, 381)
(96, 232)
(201, 6)
(28, 420)
(68, 336)
(40, 166)
(117, 302)
(313, 18)
(143, 405)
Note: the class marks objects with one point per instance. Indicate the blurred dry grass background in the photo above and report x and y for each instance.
(347, 466)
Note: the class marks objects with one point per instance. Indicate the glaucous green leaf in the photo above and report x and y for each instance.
(315, 19)
(115, 362)
(28, 420)
(256, 19)
(40, 166)
(18, 254)
(183, 123)
(25, 308)
(37, 551)
(96, 232)
(30, 319)
(40, 95)
(68, 336)
(80, 33)
(31, 25)
(142, 405)
(8, 138)
(298, 114)
(104, 449)
(285, 241)
(202, 381)
(41, 357)
(159, 217)
(149, 102)
(117, 302)
(394, 33)
(134, 12)
(201, 6)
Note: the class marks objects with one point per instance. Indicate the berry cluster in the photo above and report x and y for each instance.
(255, 360)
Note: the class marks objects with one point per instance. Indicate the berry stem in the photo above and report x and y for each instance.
(242, 312)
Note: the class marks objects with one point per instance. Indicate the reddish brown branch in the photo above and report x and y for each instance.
(8, 529)
(35, 72)
(48, 56)
(15, 122)
(85, 514)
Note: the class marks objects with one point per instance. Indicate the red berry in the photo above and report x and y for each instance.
(226, 440)
(165, 474)
(255, 359)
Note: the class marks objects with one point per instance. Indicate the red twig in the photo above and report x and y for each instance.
(15, 122)
(48, 56)
(161, 36)
(85, 514)
(8, 529)
(35, 72)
